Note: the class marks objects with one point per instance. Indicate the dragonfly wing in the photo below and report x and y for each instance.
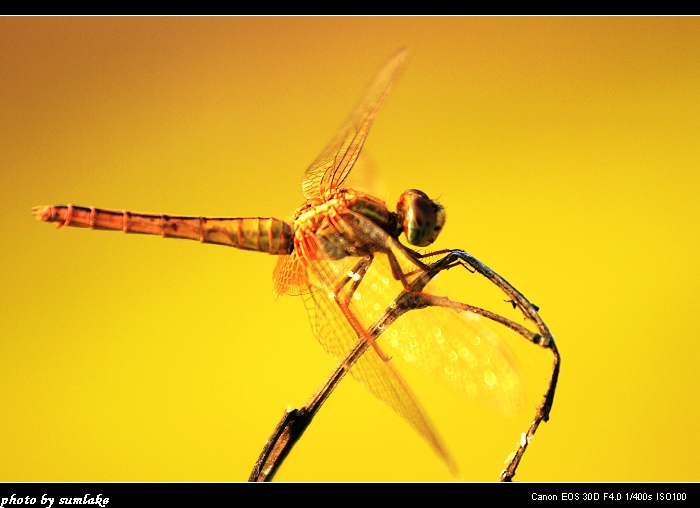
(289, 276)
(331, 168)
(351, 266)
(460, 349)
(457, 347)
(377, 376)
(330, 280)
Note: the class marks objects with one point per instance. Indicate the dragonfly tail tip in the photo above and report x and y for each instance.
(40, 212)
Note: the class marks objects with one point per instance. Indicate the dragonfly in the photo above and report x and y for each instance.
(342, 254)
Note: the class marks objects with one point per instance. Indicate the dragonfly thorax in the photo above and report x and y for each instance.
(345, 223)
(421, 218)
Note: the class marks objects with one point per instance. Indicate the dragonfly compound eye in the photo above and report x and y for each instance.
(422, 218)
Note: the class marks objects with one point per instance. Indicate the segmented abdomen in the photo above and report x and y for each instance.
(265, 234)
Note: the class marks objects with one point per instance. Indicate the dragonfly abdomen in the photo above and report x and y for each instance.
(264, 234)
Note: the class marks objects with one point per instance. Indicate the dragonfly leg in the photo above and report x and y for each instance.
(402, 277)
(423, 270)
(355, 275)
(451, 254)
(435, 253)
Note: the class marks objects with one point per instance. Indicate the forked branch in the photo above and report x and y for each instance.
(295, 421)
(544, 339)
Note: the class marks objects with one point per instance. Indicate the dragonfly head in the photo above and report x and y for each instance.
(421, 217)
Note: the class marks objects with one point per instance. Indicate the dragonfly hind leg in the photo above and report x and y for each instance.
(355, 275)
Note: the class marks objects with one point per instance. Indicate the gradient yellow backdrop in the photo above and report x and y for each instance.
(566, 152)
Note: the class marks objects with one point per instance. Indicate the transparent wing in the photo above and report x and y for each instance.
(461, 350)
(457, 347)
(331, 168)
(377, 376)
(289, 276)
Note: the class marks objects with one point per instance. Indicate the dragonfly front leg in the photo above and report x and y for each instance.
(397, 272)
(448, 260)
(355, 275)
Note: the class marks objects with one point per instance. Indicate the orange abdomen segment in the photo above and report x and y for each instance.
(264, 234)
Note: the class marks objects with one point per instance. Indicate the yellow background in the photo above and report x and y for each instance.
(566, 152)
